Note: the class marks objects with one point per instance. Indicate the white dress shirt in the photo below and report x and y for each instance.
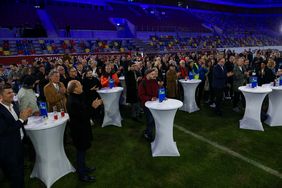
(14, 114)
(94, 72)
(57, 87)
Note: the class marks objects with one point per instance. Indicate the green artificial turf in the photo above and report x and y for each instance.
(123, 158)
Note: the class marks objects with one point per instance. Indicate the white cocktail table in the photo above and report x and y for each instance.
(122, 81)
(110, 99)
(47, 137)
(254, 98)
(189, 87)
(163, 114)
(275, 107)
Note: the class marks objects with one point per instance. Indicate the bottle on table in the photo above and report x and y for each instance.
(161, 94)
(43, 109)
(253, 80)
(55, 113)
(111, 83)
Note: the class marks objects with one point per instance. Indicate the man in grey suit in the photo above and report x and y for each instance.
(239, 79)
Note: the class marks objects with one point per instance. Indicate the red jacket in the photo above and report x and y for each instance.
(184, 72)
(147, 89)
(105, 80)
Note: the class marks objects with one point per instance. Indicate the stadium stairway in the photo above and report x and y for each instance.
(47, 23)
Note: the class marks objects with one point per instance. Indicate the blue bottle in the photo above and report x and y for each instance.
(111, 83)
(191, 76)
(280, 81)
(43, 109)
(161, 94)
(254, 80)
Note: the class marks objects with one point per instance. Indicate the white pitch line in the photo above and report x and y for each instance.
(229, 151)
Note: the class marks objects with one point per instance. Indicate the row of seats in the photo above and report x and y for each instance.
(30, 47)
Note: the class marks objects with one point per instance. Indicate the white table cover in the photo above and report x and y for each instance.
(189, 87)
(110, 99)
(47, 137)
(163, 114)
(254, 98)
(275, 107)
(122, 81)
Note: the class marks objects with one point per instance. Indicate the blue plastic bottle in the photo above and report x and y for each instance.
(111, 83)
(161, 94)
(254, 80)
(280, 81)
(43, 109)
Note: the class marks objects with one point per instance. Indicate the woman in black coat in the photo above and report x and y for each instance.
(80, 127)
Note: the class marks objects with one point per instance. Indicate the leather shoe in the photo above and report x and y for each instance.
(87, 178)
(90, 169)
(148, 137)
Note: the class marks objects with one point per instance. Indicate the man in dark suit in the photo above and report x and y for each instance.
(265, 75)
(132, 77)
(11, 135)
(220, 76)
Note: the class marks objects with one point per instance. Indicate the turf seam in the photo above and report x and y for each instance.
(230, 152)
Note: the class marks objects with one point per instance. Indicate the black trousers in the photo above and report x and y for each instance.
(238, 96)
(12, 162)
(150, 121)
(218, 99)
(80, 162)
(211, 95)
(199, 92)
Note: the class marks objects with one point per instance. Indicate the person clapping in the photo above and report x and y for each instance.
(80, 127)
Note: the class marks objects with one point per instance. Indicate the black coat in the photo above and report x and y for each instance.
(42, 83)
(266, 78)
(131, 87)
(219, 77)
(91, 95)
(80, 126)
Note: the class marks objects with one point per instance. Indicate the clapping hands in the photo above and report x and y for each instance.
(94, 88)
(96, 103)
(25, 114)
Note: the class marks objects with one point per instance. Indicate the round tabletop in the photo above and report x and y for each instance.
(277, 88)
(40, 123)
(169, 104)
(258, 89)
(193, 81)
(108, 90)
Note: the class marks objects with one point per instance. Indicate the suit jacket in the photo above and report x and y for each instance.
(10, 137)
(268, 76)
(239, 77)
(54, 98)
(219, 77)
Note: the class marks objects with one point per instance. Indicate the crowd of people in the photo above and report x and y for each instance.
(71, 84)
